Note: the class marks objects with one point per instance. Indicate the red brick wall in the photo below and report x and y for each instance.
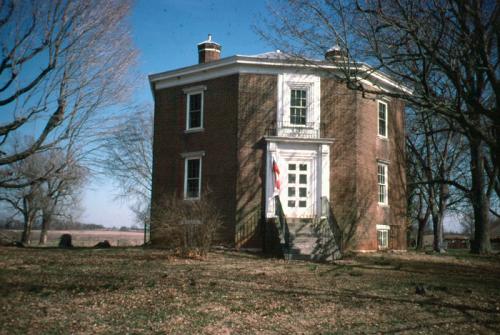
(338, 113)
(351, 119)
(218, 140)
(206, 56)
(257, 111)
(371, 149)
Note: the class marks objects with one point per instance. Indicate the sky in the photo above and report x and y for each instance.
(166, 33)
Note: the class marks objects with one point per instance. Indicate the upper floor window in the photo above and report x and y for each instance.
(194, 117)
(382, 183)
(192, 178)
(382, 119)
(195, 96)
(298, 107)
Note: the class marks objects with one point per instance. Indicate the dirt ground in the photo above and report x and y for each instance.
(147, 291)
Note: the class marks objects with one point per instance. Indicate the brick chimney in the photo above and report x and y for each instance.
(208, 50)
(336, 54)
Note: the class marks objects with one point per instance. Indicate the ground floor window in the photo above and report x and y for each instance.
(383, 239)
(382, 183)
(192, 178)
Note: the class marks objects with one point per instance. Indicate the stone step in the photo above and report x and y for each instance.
(302, 234)
(299, 220)
(305, 249)
(305, 242)
(301, 239)
(300, 228)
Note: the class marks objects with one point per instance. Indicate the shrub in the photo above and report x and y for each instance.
(187, 226)
(65, 241)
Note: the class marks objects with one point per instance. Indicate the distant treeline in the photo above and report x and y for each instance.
(56, 225)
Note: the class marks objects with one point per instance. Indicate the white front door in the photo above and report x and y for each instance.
(298, 193)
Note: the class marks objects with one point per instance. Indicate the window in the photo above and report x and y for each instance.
(383, 238)
(194, 118)
(192, 178)
(298, 107)
(382, 119)
(382, 183)
(297, 185)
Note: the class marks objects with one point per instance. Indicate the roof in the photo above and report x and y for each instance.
(268, 62)
(278, 54)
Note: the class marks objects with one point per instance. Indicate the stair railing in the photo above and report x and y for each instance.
(326, 211)
(282, 225)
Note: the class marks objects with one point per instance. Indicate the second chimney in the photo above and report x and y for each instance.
(208, 51)
(336, 54)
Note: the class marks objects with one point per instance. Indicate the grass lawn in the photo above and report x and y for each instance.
(119, 291)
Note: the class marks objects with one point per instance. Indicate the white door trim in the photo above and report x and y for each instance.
(319, 156)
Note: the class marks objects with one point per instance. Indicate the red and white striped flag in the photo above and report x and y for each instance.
(276, 174)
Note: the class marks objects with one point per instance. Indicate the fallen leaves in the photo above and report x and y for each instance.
(152, 291)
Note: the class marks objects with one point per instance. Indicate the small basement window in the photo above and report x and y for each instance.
(383, 238)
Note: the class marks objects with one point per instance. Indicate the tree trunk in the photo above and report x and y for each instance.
(443, 205)
(28, 225)
(46, 218)
(480, 200)
(437, 225)
(420, 234)
(29, 218)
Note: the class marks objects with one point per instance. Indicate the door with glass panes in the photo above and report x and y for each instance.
(298, 189)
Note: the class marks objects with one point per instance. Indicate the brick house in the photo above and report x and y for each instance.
(224, 122)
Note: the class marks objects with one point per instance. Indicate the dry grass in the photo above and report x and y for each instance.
(118, 291)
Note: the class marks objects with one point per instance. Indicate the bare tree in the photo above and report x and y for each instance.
(59, 192)
(418, 210)
(127, 159)
(26, 201)
(435, 152)
(444, 52)
(56, 194)
(61, 62)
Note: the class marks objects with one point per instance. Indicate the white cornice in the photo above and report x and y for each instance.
(244, 64)
(320, 140)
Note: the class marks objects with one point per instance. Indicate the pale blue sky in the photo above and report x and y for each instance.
(166, 34)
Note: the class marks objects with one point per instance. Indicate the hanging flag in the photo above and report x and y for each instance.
(276, 174)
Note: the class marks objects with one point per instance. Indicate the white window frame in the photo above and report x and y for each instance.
(385, 233)
(386, 130)
(186, 160)
(293, 81)
(385, 201)
(298, 87)
(190, 92)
